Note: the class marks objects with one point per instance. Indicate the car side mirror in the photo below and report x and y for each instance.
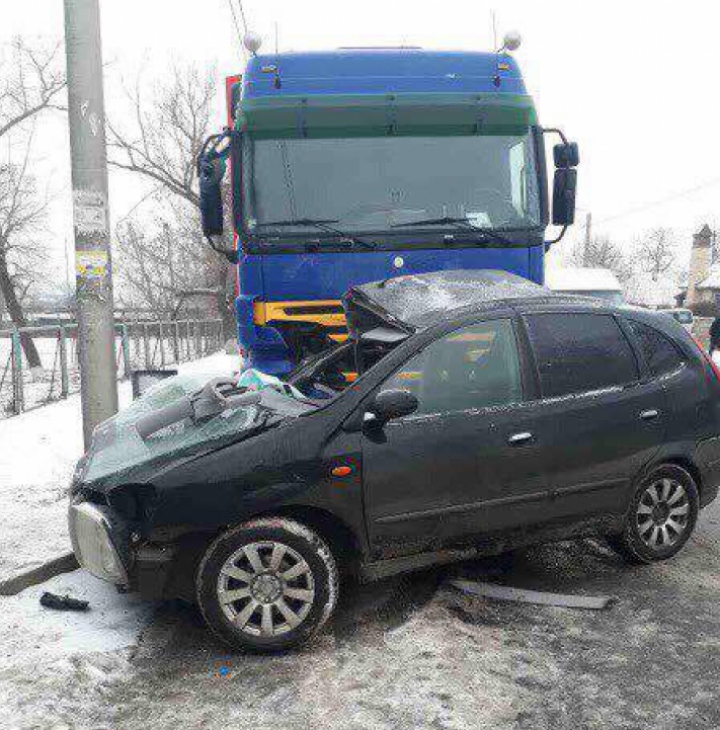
(564, 191)
(389, 404)
(210, 174)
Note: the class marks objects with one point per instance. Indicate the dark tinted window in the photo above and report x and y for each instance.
(474, 367)
(660, 354)
(576, 353)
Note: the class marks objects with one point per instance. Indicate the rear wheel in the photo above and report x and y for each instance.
(661, 518)
(267, 585)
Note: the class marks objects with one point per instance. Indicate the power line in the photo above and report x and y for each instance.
(242, 16)
(661, 201)
(237, 28)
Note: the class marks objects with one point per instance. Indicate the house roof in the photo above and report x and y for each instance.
(712, 280)
(568, 279)
(642, 289)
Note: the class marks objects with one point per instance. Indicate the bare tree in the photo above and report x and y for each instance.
(31, 81)
(656, 252)
(22, 216)
(167, 132)
(161, 144)
(600, 252)
(157, 264)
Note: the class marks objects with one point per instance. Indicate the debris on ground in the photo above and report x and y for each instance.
(63, 603)
(522, 595)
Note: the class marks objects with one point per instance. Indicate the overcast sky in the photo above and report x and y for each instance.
(635, 82)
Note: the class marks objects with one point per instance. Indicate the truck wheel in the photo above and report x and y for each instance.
(661, 517)
(267, 585)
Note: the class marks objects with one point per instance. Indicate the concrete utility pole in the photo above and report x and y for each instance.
(588, 235)
(93, 271)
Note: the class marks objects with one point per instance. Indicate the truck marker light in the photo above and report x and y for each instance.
(341, 471)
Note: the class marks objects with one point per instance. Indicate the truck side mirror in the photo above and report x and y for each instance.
(210, 174)
(567, 158)
(566, 154)
(564, 190)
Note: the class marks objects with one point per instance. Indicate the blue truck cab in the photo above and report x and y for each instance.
(359, 165)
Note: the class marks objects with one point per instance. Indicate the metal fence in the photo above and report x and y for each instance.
(139, 345)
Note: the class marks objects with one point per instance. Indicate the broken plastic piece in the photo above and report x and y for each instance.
(63, 603)
(521, 595)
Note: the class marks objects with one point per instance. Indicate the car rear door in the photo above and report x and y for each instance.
(608, 420)
(462, 464)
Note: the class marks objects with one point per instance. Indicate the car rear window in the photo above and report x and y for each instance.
(578, 353)
(660, 354)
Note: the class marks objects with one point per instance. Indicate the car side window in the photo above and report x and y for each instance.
(473, 367)
(579, 353)
(661, 355)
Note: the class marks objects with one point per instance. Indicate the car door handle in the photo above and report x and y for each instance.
(650, 414)
(517, 439)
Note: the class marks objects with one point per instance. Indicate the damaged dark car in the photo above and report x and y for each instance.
(467, 414)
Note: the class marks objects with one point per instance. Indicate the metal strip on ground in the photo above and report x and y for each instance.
(64, 564)
(522, 595)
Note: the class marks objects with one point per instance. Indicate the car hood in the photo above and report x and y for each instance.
(410, 303)
(118, 454)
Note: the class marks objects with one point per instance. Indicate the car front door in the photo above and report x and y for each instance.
(462, 464)
(608, 420)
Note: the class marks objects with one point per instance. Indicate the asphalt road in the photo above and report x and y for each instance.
(416, 653)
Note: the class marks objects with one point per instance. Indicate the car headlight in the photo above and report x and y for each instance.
(91, 535)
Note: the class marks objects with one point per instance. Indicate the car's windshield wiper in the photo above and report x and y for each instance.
(464, 225)
(323, 225)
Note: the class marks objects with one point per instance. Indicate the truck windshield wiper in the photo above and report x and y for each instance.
(323, 225)
(462, 224)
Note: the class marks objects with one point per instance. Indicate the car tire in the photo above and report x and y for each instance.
(661, 517)
(267, 585)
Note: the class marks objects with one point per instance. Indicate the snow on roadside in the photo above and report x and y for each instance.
(38, 453)
(52, 662)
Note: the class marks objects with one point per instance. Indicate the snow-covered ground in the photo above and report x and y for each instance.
(79, 655)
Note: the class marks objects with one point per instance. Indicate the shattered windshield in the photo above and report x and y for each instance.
(371, 184)
(119, 447)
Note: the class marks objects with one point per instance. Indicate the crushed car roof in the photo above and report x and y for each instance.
(418, 300)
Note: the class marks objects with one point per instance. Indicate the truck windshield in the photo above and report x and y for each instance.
(385, 184)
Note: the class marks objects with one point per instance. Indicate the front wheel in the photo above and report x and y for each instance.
(661, 517)
(267, 585)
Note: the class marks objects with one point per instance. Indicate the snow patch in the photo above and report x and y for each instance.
(53, 662)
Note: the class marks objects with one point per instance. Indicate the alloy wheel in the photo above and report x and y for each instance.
(266, 588)
(663, 513)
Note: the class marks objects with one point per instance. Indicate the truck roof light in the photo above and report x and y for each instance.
(252, 41)
(512, 41)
